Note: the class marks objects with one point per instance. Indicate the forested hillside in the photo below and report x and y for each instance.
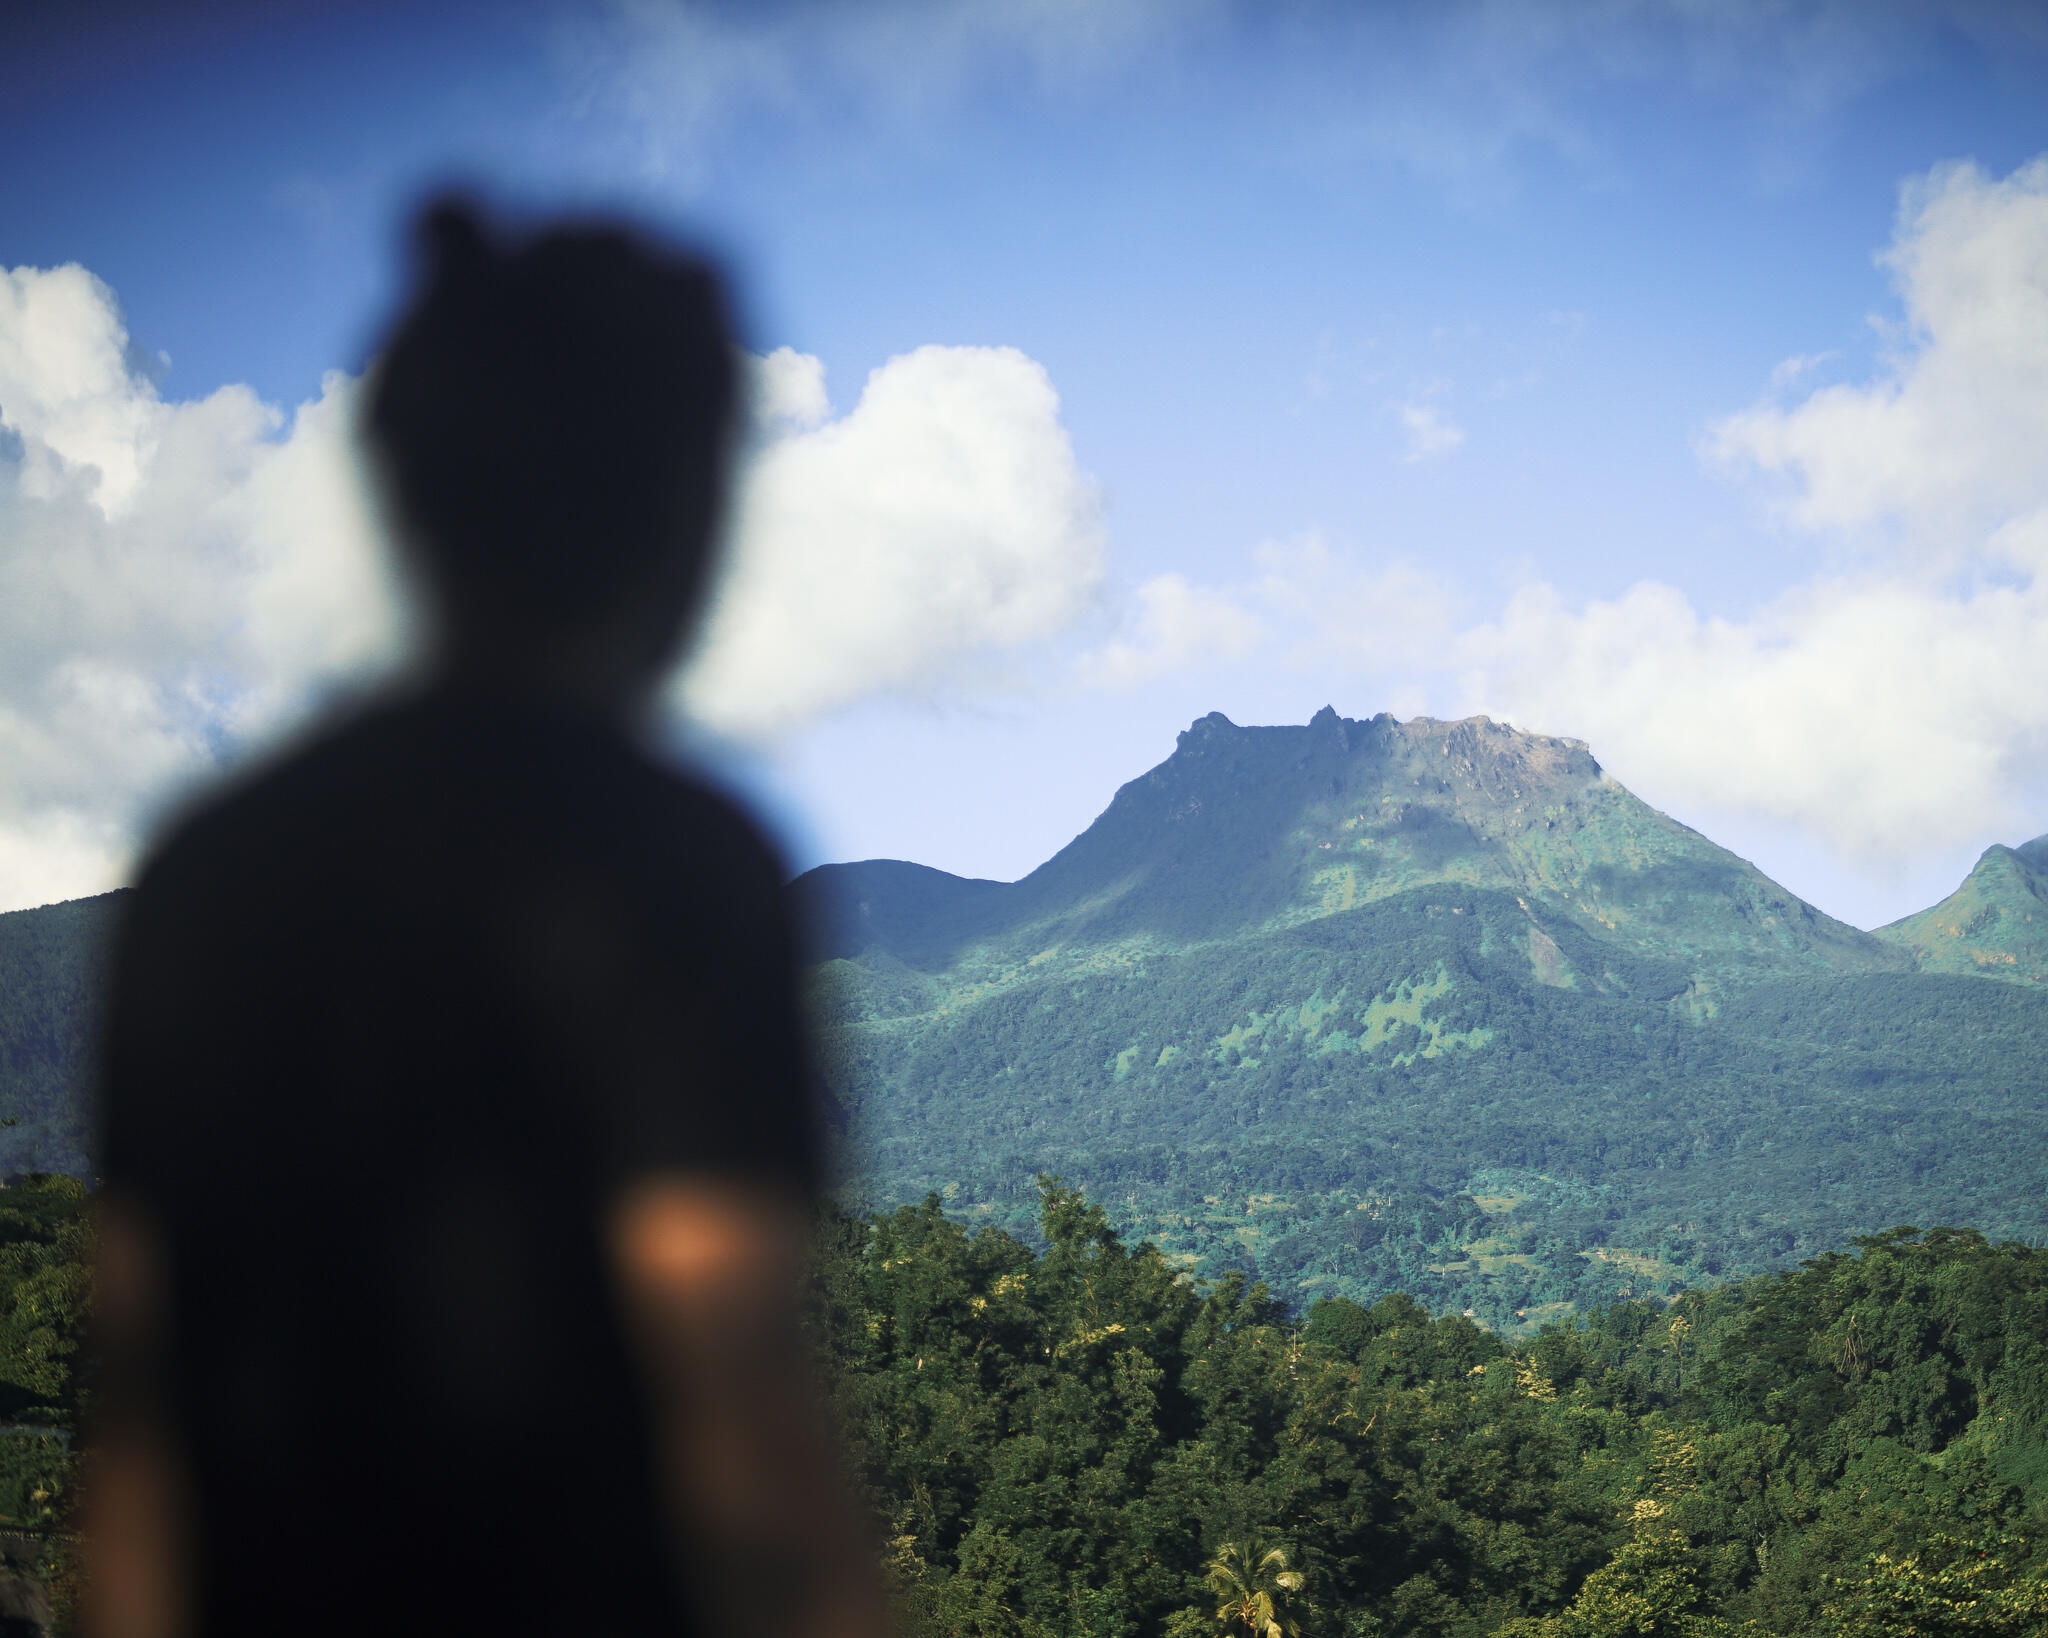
(49, 1013)
(1434, 1007)
(1059, 1440)
(1057, 1434)
(1367, 1006)
(1993, 926)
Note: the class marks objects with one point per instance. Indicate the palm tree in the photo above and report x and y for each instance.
(1253, 1581)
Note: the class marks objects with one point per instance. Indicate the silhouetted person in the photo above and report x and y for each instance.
(456, 1140)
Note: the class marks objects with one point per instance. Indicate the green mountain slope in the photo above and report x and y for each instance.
(1244, 829)
(1995, 925)
(49, 1015)
(1369, 1006)
(1434, 1006)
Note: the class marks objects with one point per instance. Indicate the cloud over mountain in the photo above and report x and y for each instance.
(182, 579)
(1893, 703)
(174, 577)
(913, 543)
(1946, 447)
(179, 578)
(1900, 699)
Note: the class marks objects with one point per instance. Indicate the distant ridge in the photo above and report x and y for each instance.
(50, 991)
(1993, 926)
(1242, 829)
(1371, 1005)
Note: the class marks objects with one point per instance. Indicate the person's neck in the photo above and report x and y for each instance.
(575, 677)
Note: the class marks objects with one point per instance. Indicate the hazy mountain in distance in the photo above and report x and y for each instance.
(1994, 926)
(1243, 829)
(49, 1019)
(1436, 1006)
(1372, 1005)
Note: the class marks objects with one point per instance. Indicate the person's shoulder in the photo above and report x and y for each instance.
(708, 829)
(258, 813)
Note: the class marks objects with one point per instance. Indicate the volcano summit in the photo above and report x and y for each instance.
(1366, 1004)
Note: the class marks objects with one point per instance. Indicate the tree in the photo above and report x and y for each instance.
(1253, 1583)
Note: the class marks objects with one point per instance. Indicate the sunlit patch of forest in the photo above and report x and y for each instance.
(1063, 1437)
(1060, 1434)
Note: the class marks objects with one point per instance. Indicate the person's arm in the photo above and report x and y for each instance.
(134, 1549)
(707, 1271)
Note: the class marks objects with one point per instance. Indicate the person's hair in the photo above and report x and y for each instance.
(552, 415)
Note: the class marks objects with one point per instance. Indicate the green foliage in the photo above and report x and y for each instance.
(1525, 1149)
(1995, 925)
(1946, 1588)
(45, 1298)
(1070, 1437)
(1256, 1591)
(1360, 1007)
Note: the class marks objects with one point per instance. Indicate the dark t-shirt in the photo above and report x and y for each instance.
(391, 1024)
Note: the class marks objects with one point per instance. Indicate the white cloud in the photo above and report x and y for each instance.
(1335, 609)
(1898, 703)
(1951, 441)
(907, 546)
(174, 577)
(177, 578)
(1431, 432)
(1876, 713)
(788, 390)
(1175, 624)
(1893, 706)
(180, 580)
(1317, 605)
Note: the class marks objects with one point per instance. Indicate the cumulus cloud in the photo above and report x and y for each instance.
(1951, 441)
(1900, 701)
(1876, 713)
(1431, 432)
(939, 525)
(174, 579)
(1173, 624)
(1893, 705)
(1309, 606)
(788, 391)
(180, 581)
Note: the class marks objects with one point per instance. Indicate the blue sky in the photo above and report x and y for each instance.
(1670, 376)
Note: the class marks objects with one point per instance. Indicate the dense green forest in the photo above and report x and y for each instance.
(45, 1298)
(1060, 1433)
(1390, 1098)
(1058, 1436)
(1362, 1007)
(1467, 1150)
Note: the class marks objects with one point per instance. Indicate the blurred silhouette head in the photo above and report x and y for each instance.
(552, 416)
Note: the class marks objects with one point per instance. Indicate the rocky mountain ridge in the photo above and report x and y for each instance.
(1367, 1005)
(1243, 829)
(1431, 1006)
(1995, 925)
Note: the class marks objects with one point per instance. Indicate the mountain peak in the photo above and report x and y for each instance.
(1205, 728)
(1244, 828)
(1995, 925)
